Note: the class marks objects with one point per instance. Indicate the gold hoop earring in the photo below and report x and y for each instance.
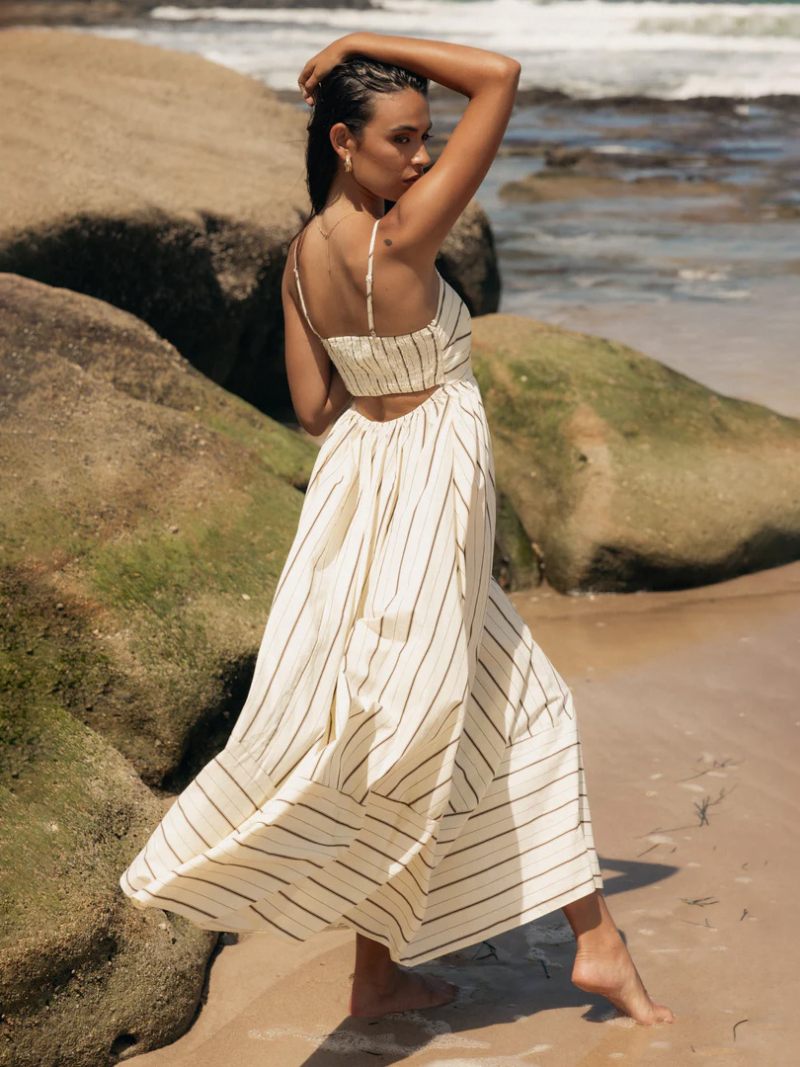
(348, 164)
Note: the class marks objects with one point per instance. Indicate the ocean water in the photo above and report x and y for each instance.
(707, 283)
(587, 48)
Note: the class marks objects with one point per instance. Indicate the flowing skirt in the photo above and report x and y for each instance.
(407, 761)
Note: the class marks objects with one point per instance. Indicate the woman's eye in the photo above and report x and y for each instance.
(402, 139)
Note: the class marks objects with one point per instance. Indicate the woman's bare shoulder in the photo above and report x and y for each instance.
(400, 242)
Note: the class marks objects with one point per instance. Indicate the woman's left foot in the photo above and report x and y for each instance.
(611, 972)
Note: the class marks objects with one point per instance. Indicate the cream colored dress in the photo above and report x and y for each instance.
(407, 760)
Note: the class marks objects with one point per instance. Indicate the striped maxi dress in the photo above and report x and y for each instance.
(407, 761)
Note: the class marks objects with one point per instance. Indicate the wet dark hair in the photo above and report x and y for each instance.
(347, 94)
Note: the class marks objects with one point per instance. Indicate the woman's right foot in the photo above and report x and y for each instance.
(409, 990)
(610, 971)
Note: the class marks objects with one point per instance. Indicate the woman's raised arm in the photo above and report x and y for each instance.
(428, 210)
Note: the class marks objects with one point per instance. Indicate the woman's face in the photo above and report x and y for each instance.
(391, 148)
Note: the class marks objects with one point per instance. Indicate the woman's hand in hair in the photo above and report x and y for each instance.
(320, 64)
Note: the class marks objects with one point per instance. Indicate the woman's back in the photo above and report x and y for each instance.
(389, 369)
(333, 285)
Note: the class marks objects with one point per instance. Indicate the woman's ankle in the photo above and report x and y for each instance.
(374, 965)
(592, 924)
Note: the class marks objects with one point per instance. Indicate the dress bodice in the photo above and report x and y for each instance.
(375, 365)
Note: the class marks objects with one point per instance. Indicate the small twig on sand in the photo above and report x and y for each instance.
(701, 810)
(714, 766)
(644, 853)
(706, 803)
(701, 902)
(738, 1024)
(743, 914)
(669, 829)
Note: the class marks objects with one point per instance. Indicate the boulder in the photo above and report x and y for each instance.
(170, 187)
(84, 977)
(626, 474)
(468, 260)
(155, 507)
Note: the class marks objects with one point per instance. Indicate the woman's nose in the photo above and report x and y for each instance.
(421, 157)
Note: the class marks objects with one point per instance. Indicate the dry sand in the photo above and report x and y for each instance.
(689, 719)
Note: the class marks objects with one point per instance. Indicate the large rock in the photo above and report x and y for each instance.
(84, 977)
(626, 474)
(146, 516)
(468, 260)
(170, 186)
(154, 506)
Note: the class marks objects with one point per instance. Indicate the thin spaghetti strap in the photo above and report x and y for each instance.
(369, 280)
(300, 290)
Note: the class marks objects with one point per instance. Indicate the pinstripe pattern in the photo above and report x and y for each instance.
(407, 759)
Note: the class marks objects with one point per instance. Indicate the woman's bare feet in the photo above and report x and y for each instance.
(612, 974)
(381, 986)
(603, 964)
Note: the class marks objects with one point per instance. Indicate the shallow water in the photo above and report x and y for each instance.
(709, 285)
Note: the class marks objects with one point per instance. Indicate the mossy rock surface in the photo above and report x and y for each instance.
(84, 977)
(515, 564)
(626, 474)
(142, 505)
(159, 510)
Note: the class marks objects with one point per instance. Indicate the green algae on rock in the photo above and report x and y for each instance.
(83, 976)
(146, 516)
(158, 505)
(627, 474)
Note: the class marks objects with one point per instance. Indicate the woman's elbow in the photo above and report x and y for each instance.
(314, 423)
(315, 414)
(312, 426)
(308, 411)
(315, 429)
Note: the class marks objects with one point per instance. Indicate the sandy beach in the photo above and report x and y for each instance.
(689, 721)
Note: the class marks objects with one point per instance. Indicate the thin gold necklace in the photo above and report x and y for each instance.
(330, 231)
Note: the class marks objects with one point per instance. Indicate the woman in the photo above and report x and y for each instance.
(407, 761)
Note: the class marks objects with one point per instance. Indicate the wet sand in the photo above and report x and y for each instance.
(690, 721)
